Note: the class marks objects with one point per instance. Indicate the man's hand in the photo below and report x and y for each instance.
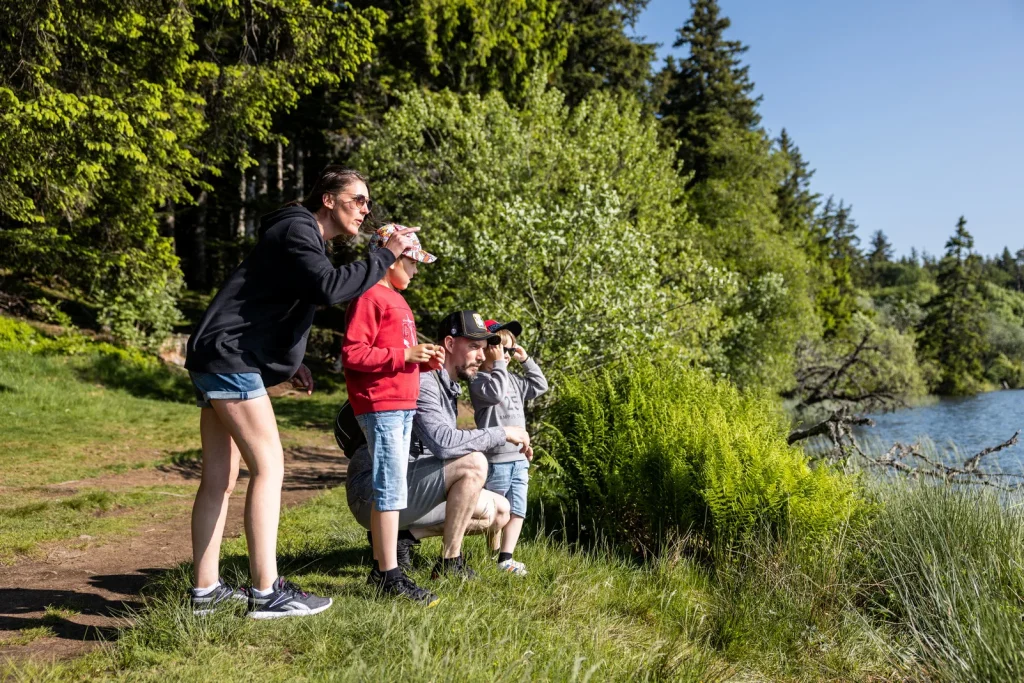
(400, 240)
(519, 437)
(420, 353)
(520, 354)
(494, 352)
(303, 379)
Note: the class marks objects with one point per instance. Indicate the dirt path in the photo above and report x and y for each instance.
(100, 581)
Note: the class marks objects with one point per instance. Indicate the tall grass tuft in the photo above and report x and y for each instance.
(656, 449)
(944, 566)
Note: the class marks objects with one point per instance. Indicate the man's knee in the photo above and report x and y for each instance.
(502, 511)
(476, 467)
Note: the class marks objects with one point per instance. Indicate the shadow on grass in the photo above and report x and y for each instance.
(151, 380)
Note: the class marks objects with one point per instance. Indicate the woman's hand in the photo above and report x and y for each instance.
(420, 353)
(400, 240)
(303, 379)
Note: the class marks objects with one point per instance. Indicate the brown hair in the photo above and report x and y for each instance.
(332, 180)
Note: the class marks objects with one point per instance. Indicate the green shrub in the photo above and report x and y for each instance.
(656, 449)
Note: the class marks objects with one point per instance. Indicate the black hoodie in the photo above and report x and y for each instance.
(260, 318)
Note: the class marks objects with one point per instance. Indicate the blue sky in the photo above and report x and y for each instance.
(911, 111)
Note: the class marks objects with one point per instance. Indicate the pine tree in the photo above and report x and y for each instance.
(952, 334)
(881, 249)
(795, 203)
(601, 55)
(836, 301)
(708, 89)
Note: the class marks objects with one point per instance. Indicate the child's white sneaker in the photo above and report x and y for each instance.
(513, 567)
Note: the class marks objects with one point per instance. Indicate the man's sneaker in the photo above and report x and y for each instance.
(220, 596)
(406, 542)
(402, 587)
(513, 567)
(286, 600)
(455, 566)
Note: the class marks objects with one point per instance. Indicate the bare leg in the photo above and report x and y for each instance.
(510, 534)
(384, 532)
(253, 428)
(491, 511)
(210, 510)
(465, 477)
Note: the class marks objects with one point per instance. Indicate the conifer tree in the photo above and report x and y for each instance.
(881, 249)
(795, 203)
(952, 334)
(707, 90)
(601, 54)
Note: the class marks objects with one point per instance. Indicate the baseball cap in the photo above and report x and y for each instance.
(380, 237)
(512, 326)
(467, 324)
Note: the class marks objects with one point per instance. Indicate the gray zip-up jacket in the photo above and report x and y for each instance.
(434, 425)
(498, 401)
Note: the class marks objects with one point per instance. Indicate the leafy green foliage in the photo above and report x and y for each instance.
(523, 204)
(111, 113)
(658, 449)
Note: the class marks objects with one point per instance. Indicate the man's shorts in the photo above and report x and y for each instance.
(425, 497)
(237, 386)
(512, 480)
(388, 436)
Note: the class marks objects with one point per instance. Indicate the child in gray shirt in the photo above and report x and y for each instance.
(498, 398)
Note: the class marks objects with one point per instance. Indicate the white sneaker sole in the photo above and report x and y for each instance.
(291, 613)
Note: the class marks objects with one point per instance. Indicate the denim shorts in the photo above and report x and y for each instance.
(510, 479)
(238, 386)
(388, 435)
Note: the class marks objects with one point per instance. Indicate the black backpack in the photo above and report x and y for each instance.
(347, 431)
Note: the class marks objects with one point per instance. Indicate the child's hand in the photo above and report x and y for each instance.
(520, 354)
(437, 362)
(420, 353)
(494, 352)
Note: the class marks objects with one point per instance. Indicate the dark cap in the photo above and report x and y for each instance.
(512, 326)
(468, 324)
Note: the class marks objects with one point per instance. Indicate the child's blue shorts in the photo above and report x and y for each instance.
(388, 435)
(510, 479)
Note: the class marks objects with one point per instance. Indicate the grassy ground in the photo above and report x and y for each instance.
(73, 419)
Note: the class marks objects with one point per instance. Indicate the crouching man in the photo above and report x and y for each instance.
(447, 468)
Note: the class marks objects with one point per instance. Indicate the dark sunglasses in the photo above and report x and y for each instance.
(361, 201)
(510, 350)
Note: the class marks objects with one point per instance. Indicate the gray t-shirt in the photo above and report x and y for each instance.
(498, 400)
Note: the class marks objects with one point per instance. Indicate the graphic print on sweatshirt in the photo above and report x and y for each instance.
(408, 331)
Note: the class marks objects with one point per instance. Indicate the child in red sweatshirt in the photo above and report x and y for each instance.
(382, 362)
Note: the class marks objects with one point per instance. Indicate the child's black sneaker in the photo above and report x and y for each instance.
(221, 596)
(452, 566)
(286, 600)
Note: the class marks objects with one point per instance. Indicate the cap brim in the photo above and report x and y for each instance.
(419, 255)
(492, 339)
(512, 326)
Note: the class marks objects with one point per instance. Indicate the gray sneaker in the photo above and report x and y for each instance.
(286, 600)
(220, 596)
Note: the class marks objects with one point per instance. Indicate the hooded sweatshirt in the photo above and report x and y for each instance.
(260, 319)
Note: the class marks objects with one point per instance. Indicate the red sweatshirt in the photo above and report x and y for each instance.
(379, 328)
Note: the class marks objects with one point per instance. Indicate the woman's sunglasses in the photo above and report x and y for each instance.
(361, 201)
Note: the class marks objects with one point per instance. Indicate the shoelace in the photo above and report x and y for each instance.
(289, 586)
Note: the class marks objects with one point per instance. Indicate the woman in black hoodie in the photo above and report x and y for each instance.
(251, 337)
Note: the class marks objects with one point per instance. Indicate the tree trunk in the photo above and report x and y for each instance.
(198, 257)
(300, 172)
(280, 172)
(240, 225)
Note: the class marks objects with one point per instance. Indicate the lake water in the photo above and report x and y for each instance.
(968, 425)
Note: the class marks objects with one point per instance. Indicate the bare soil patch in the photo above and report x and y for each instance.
(102, 580)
